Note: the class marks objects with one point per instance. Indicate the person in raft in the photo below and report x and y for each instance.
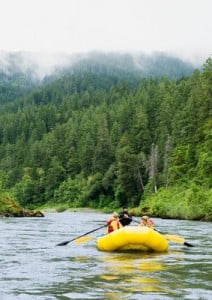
(113, 223)
(125, 217)
(146, 221)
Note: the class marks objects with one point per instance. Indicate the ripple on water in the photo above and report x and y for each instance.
(32, 267)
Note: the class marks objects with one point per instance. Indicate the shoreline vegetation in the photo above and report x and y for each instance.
(191, 203)
(178, 202)
(155, 205)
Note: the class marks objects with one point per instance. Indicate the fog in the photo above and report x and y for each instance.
(39, 64)
(52, 30)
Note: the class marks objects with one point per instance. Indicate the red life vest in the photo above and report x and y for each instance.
(110, 227)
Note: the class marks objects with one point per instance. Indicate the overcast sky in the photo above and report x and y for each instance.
(177, 26)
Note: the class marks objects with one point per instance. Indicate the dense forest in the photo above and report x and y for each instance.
(96, 139)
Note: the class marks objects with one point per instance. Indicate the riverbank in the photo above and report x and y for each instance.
(10, 208)
(165, 204)
(58, 209)
(178, 202)
(53, 208)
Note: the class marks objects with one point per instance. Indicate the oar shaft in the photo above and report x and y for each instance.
(67, 242)
(87, 233)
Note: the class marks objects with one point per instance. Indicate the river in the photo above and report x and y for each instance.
(32, 267)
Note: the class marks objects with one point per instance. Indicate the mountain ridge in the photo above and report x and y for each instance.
(21, 72)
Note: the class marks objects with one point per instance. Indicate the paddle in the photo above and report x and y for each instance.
(74, 239)
(173, 238)
(83, 239)
(177, 239)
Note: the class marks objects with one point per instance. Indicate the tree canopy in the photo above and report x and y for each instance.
(95, 140)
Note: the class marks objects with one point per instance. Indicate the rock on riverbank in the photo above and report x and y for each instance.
(9, 208)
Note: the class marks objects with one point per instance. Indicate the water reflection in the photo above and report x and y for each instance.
(135, 273)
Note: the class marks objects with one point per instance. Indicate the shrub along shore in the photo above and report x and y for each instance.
(178, 202)
(189, 204)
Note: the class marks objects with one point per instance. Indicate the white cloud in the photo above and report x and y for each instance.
(177, 26)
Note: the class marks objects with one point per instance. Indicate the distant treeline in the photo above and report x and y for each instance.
(19, 74)
(94, 140)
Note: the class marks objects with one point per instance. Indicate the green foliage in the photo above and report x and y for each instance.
(9, 206)
(126, 181)
(61, 208)
(72, 192)
(185, 202)
(24, 190)
(91, 139)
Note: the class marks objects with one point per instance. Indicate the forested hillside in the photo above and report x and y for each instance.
(126, 66)
(94, 140)
(21, 72)
(16, 78)
(15, 85)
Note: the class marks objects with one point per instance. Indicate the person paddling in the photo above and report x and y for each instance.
(125, 217)
(147, 222)
(113, 223)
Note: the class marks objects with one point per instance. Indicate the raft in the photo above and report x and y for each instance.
(133, 238)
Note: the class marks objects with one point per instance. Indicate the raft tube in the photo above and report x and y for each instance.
(133, 238)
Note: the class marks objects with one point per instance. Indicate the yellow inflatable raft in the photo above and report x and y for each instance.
(133, 238)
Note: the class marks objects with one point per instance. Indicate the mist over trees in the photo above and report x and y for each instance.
(37, 66)
(102, 137)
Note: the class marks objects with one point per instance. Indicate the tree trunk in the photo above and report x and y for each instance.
(153, 166)
(139, 179)
(168, 148)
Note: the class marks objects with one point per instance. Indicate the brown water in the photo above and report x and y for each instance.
(32, 267)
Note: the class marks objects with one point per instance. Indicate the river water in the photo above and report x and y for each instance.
(32, 267)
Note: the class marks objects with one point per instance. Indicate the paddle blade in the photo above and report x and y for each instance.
(175, 238)
(83, 239)
(188, 244)
(63, 243)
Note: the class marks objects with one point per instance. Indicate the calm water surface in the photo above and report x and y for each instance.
(32, 267)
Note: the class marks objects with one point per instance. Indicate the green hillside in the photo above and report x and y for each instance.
(21, 72)
(92, 139)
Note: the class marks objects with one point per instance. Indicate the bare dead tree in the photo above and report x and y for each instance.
(167, 151)
(154, 166)
(139, 180)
